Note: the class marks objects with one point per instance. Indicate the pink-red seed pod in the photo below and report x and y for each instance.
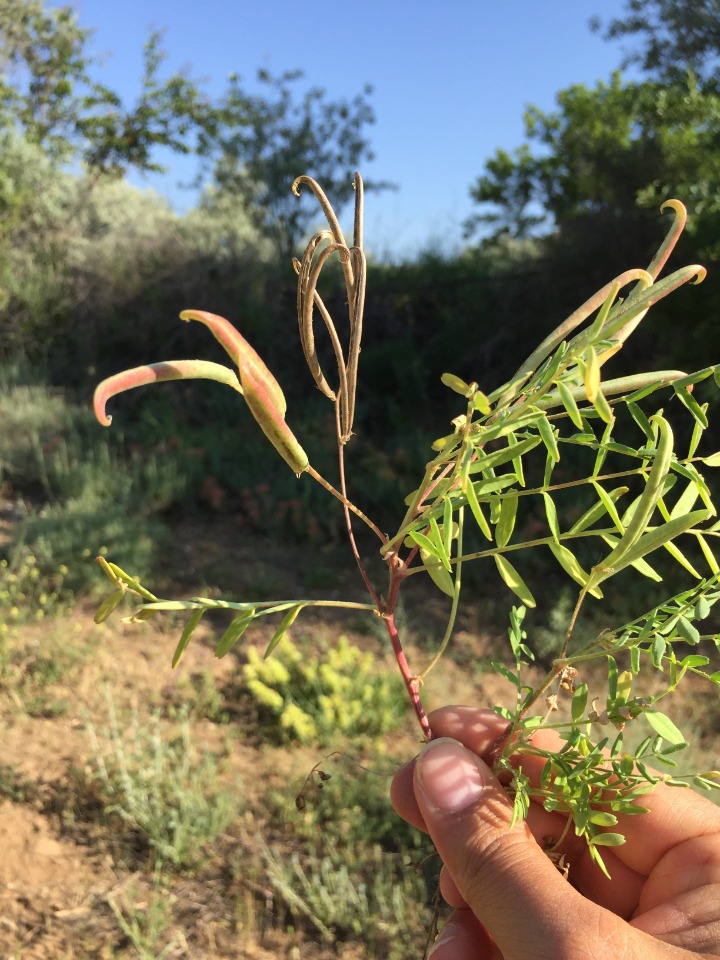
(238, 348)
(157, 373)
(271, 420)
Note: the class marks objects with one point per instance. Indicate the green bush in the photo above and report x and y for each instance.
(95, 495)
(159, 787)
(27, 592)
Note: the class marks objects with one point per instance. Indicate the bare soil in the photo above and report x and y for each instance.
(64, 862)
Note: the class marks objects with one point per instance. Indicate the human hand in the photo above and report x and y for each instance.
(510, 900)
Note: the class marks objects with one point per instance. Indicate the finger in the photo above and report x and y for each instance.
(449, 891)
(480, 730)
(675, 815)
(464, 938)
(477, 728)
(499, 870)
(681, 900)
(402, 796)
(620, 893)
(509, 884)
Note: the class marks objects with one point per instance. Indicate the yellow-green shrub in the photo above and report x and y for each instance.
(26, 592)
(313, 701)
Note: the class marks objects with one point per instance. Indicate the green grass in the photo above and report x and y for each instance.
(166, 795)
(353, 870)
(145, 918)
(32, 670)
(83, 492)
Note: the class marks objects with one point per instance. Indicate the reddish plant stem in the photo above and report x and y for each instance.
(385, 608)
(410, 679)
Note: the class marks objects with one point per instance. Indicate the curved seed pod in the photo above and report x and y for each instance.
(322, 199)
(312, 298)
(332, 223)
(158, 373)
(594, 303)
(673, 235)
(238, 347)
(356, 320)
(657, 262)
(271, 420)
(626, 315)
(304, 311)
(359, 207)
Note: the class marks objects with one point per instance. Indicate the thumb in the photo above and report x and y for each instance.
(513, 889)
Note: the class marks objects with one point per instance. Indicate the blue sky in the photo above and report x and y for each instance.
(450, 81)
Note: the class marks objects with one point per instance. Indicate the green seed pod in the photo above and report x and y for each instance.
(108, 605)
(650, 495)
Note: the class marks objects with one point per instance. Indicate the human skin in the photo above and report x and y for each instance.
(512, 903)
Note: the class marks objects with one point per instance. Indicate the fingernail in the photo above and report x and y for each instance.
(449, 933)
(449, 776)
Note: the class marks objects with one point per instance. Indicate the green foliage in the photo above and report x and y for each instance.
(579, 780)
(43, 52)
(380, 910)
(14, 786)
(617, 143)
(346, 802)
(617, 146)
(343, 694)
(169, 113)
(27, 592)
(80, 529)
(196, 696)
(46, 446)
(49, 94)
(47, 91)
(504, 457)
(155, 782)
(66, 238)
(145, 921)
(35, 676)
(675, 37)
(75, 245)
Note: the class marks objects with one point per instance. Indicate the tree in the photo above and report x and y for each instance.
(42, 63)
(510, 185)
(170, 113)
(676, 36)
(254, 142)
(48, 94)
(605, 150)
(270, 137)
